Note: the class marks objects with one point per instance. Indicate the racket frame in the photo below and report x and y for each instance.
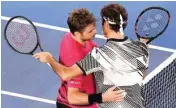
(139, 16)
(26, 19)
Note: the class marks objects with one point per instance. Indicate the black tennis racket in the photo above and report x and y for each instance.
(151, 23)
(22, 36)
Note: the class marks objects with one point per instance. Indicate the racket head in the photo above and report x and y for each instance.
(152, 22)
(21, 35)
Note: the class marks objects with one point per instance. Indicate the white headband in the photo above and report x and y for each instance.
(113, 22)
(109, 21)
(121, 25)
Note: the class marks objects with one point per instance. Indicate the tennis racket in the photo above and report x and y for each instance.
(151, 23)
(22, 36)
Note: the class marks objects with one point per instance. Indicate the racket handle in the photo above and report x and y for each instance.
(48, 64)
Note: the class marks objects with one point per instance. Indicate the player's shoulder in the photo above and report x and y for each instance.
(141, 44)
(65, 43)
(66, 37)
(136, 43)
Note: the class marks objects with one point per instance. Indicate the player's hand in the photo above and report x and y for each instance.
(143, 40)
(112, 95)
(44, 57)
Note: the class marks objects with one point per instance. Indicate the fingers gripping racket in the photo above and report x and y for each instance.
(151, 23)
(22, 36)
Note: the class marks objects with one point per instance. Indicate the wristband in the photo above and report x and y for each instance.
(95, 98)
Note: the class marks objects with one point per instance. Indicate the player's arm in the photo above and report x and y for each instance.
(78, 98)
(145, 71)
(145, 46)
(144, 40)
(85, 66)
(144, 74)
(66, 73)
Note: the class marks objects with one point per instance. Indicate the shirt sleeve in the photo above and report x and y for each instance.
(147, 62)
(146, 52)
(76, 82)
(90, 64)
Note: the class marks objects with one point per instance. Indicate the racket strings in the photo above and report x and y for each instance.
(152, 22)
(21, 36)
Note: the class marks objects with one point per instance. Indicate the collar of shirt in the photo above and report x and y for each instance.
(118, 40)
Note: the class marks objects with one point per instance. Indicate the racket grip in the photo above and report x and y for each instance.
(48, 64)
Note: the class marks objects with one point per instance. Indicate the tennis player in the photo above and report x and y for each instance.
(75, 45)
(121, 60)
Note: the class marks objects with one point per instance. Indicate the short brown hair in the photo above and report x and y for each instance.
(113, 12)
(79, 19)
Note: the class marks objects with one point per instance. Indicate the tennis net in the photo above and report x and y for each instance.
(159, 90)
